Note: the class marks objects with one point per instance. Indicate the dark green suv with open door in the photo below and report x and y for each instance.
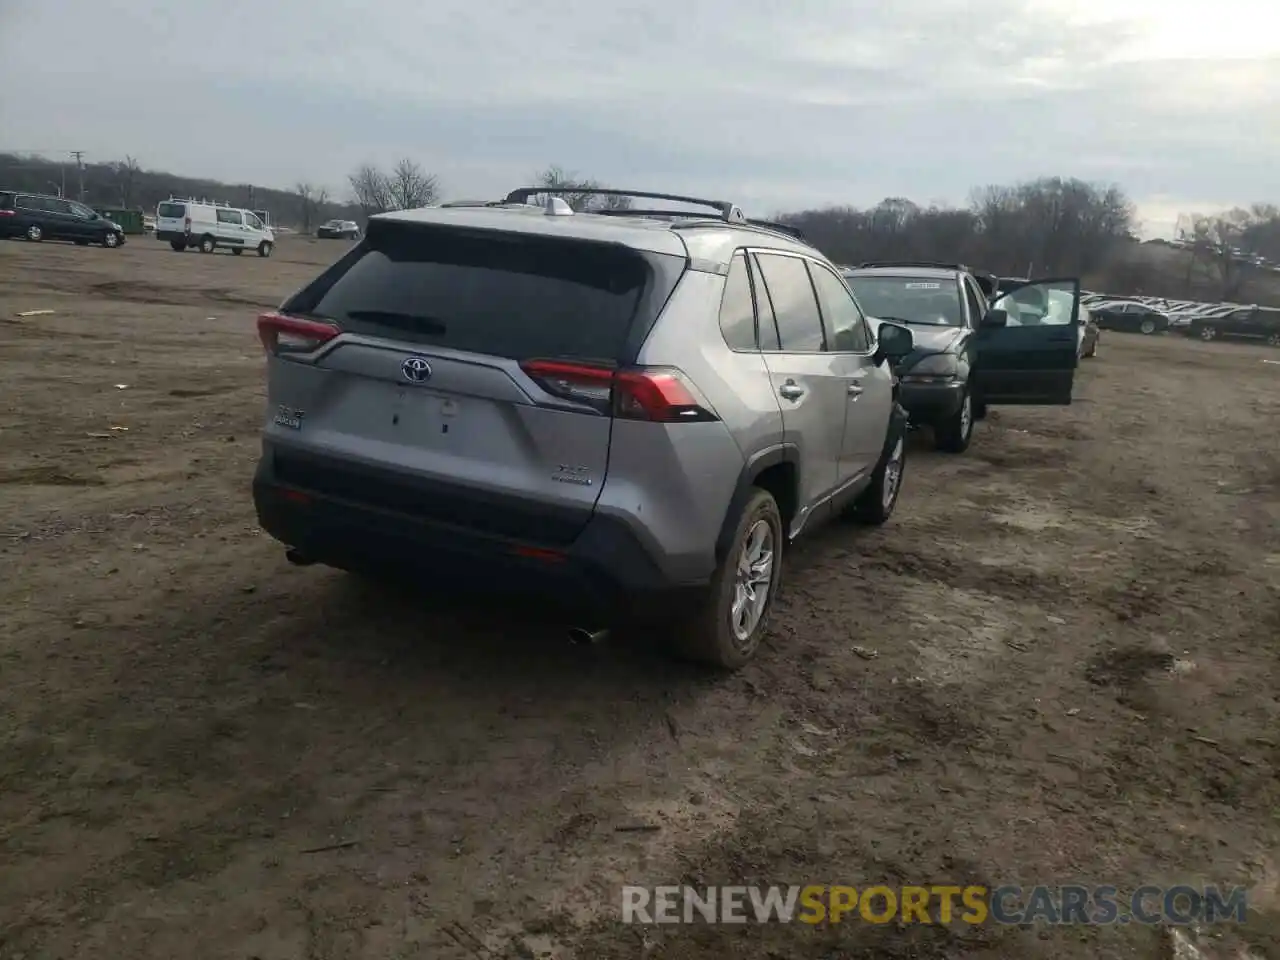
(974, 345)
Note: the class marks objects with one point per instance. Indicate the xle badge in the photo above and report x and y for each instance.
(567, 474)
(288, 417)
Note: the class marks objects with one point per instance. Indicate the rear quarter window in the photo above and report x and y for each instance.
(173, 211)
(501, 294)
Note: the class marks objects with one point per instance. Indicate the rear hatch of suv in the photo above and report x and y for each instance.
(460, 376)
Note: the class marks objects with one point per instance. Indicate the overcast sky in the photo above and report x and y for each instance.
(776, 106)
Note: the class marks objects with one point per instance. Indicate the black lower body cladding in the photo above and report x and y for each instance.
(588, 563)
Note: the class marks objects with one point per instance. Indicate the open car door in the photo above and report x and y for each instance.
(1027, 344)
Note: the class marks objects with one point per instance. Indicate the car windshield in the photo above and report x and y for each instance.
(920, 300)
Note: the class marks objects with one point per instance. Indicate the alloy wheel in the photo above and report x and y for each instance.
(752, 582)
(893, 468)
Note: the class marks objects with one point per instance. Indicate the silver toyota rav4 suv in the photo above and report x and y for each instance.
(637, 410)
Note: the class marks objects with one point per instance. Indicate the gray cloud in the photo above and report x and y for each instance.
(774, 106)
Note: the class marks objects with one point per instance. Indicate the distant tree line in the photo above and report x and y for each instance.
(1045, 226)
(125, 183)
(1052, 225)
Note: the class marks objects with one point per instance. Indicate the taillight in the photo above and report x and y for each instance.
(186, 224)
(657, 394)
(8, 213)
(281, 334)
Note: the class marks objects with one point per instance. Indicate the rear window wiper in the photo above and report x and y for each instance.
(408, 321)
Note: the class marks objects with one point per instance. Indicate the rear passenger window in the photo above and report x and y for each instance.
(737, 314)
(229, 216)
(794, 306)
(846, 331)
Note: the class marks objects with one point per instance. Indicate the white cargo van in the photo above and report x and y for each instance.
(200, 223)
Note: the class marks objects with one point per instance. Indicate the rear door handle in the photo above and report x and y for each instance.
(791, 391)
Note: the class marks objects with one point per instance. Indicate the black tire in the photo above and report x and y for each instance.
(237, 250)
(35, 233)
(1273, 340)
(707, 635)
(264, 248)
(1147, 327)
(953, 434)
(875, 504)
(178, 246)
(207, 244)
(1093, 349)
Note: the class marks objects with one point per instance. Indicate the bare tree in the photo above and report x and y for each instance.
(308, 203)
(320, 200)
(574, 190)
(126, 172)
(371, 190)
(410, 187)
(1216, 242)
(304, 191)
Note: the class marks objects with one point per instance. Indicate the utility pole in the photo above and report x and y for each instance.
(79, 155)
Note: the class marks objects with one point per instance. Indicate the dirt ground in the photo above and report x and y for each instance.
(1058, 662)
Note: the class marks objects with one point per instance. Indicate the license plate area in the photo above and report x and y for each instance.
(422, 415)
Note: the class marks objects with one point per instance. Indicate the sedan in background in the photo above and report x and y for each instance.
(1129, 316)
(339, 230)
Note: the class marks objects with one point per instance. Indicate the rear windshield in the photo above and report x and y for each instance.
(928, 300)
(171, 210)
(500, 294)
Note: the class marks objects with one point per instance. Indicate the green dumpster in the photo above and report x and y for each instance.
(129, 220)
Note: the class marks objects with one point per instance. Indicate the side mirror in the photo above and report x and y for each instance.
(893, 342)
(996, 318)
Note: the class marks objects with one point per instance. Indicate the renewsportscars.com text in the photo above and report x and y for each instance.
(973, 904)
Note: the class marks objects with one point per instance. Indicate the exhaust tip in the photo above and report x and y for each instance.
(582, 637)
(297, 558)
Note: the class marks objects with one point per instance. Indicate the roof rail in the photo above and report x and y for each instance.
(698, 215)
(794, 232)
(729, 212)
(659, 214)
(936, 264)
(473, 203)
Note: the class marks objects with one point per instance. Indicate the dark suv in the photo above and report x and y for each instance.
(39, 217)
(1253, 323)
(978, 340)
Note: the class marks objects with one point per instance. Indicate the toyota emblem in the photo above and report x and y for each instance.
(416, 369)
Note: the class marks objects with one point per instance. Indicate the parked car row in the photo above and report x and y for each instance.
(638, 412)
(1207, 321)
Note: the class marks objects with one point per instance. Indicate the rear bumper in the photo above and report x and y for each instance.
(172, 235)
(930, 401)
(604, 572)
